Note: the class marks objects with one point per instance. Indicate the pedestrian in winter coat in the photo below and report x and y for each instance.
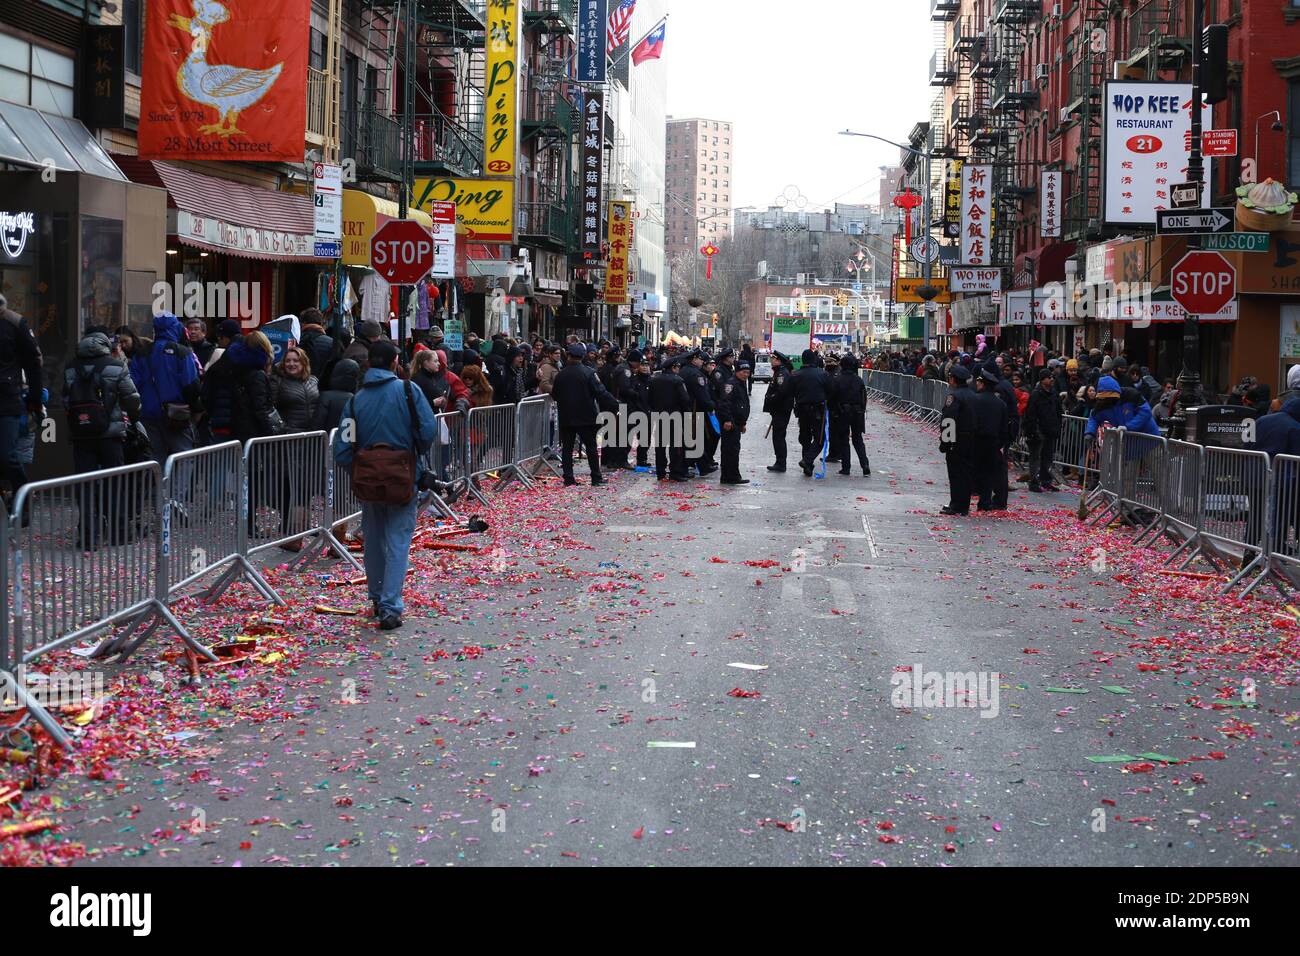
(295, 392)
(20, 392)
(167, 378)
(381, 414)
(321, 348)
(101, 403)
(547, 369)
(1279, 433)
(480, 392)
(1042, 429)
(444, 390)
(196, 334)
(344, 380)
(1118, 407)
(240, 388)
(368, 333)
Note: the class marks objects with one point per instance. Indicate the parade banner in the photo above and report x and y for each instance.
(224, 81)
(619, 274)
(485, 208)
(501, 119)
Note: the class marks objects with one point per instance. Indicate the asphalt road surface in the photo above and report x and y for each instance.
(601, 729)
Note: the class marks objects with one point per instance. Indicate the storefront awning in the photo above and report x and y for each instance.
(363, 214)
(29, 137)
(219, 215)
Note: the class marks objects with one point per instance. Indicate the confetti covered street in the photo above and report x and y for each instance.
(647, 674)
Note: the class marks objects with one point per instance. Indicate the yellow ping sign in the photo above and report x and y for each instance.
(501, 117)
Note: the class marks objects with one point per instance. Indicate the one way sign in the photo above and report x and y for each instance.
(1191, 222)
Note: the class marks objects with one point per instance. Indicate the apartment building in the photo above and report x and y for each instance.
(700, 158)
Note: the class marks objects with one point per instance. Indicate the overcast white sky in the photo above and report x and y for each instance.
(790, 75)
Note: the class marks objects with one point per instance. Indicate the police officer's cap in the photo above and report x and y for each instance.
(990, 377)
(725, 354)
(577, 351)
(742, 366)
(672, 362)
(960, 372)
(634, 355)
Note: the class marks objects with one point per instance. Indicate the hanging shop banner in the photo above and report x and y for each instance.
(1049, 204)
(444, 239)
(1145, 128)
(791, 335)
(485, 208)
(593, 171)
(975, 280)
(225, 81)
(952, 199)
(593, 28)
(976, 215)
(1037, 307)
(618, 275)
(906, 290)
(501, 118)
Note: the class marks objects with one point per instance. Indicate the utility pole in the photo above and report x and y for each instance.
(406, 155)
(1189, 379)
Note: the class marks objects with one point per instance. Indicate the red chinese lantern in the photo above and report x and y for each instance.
(908, 201)
(708, 252)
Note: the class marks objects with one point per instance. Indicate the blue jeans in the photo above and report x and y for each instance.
(388, 530)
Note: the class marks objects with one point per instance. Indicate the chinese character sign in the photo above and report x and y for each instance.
(976, 215)
(1049, 205)
(619, 272)
(1146, 126)
(591, 177)
(501, 115)
(593, 28)
(952, 193)
(102, 77)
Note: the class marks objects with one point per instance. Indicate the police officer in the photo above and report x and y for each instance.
(957, 441)
(807, 389)
(579, 397)
(672, 406)
(703, 406)
(848, 397)
(1007, 392)
(608, 375)
(835, 451)
(990, 414)
(779, 405)
(733, 414)
(639, 400)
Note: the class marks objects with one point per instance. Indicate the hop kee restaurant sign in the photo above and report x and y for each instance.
(224, 81)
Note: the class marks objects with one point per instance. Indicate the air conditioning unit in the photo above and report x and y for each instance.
(1065, 114)
(1056, 11)
(1040, 72)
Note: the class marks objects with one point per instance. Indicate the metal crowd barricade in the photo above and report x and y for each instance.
(284, 481)
(1183, 479)
(90, 558)
(200, 520)
(1284, 515)
(1072, 451)
(1235, 506)
(1143, 471)
(445, 459)
(532, 418)
(490, 447)
(1110, 476)
(341, 508)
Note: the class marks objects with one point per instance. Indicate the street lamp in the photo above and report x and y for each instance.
(1277, 127)
(927, 291)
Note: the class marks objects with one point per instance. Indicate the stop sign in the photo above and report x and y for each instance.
(401, 251)
(1203, 282)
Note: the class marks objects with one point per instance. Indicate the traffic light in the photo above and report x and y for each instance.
(1214, 63)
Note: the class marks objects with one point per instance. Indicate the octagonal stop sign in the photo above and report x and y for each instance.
(1203, 282)
(401, 251)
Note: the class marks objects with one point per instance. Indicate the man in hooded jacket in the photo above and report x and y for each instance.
(167, 379)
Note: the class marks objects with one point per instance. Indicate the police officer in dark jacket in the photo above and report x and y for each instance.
(1005, 391)
(807, 390)
(579, 397)
(639, 401)
(733, 415)
(1042, 429)
(622, 385)
(957, 441)
(848, 396)
(670, 401)
(779, 405)
(21, 388)
(990, 441)
(703, 403)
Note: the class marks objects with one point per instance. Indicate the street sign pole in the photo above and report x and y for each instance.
(1189, 379)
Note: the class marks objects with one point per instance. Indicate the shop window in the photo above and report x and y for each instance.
(101, 271)
(1293, 145)
(133, 24)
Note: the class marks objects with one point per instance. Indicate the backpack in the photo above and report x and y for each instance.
(384, 475)
(87, 411)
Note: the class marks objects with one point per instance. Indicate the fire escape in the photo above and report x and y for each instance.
(546, 211)
(1012, 94)
(1090, 65)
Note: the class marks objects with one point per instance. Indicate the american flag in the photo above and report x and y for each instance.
(620, 24)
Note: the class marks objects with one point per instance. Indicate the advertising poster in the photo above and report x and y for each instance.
(225, 81)
(791, 334)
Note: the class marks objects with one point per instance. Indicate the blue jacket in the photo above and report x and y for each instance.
(1279, 433)
(382, 417)
(1129, 412)
(169, 373)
